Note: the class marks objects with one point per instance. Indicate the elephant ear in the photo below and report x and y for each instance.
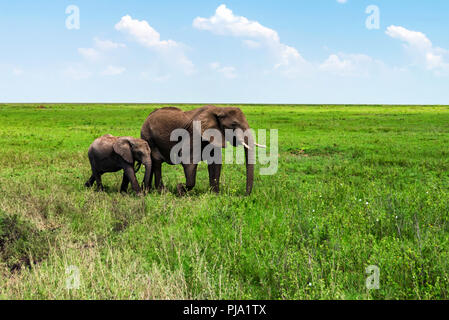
(123, 148)
(210, 119)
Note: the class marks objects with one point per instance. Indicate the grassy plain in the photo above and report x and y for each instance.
(356, 186)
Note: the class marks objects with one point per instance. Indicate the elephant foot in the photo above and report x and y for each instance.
(181, 189)
(146, 189)
(89, 183)
(162, 188)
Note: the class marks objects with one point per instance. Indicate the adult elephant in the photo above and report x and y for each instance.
(160, 124)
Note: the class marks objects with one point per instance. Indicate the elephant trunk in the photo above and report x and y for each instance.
(248, 143)
(249, 171)
(147, 177)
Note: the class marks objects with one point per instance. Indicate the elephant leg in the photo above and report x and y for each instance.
(214, 172)
(157, 169)
(148, 187)
(96, 175)
(211, 169)
(131, 175)
(190, 173)
(89, 183)
(98, 181)
(214, 176)
(125, 183)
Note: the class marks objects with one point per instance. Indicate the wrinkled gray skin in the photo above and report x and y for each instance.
(160, 123)
(111, 154)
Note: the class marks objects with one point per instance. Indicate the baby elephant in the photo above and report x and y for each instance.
(111, 154)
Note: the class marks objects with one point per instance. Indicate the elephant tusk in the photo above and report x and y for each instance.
(256, 144)
(245, 145)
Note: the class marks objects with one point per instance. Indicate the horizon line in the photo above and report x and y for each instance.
(237, 103)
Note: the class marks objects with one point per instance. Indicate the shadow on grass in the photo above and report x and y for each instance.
(22, 244)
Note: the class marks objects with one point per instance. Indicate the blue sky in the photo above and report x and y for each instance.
(304, 51)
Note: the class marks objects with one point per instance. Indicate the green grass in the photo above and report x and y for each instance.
(356, 186)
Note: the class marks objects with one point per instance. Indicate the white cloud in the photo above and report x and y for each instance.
(421, 48)
(107, 44)
(147, 36)
(113, 71)
(225, 23)
(413, 38)
(335, 64)
(90, 54)
(143, 33)
(351, 65)
(288, 59)
(95, 53)
(227, 72)
(342, 1)
(251, 44)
